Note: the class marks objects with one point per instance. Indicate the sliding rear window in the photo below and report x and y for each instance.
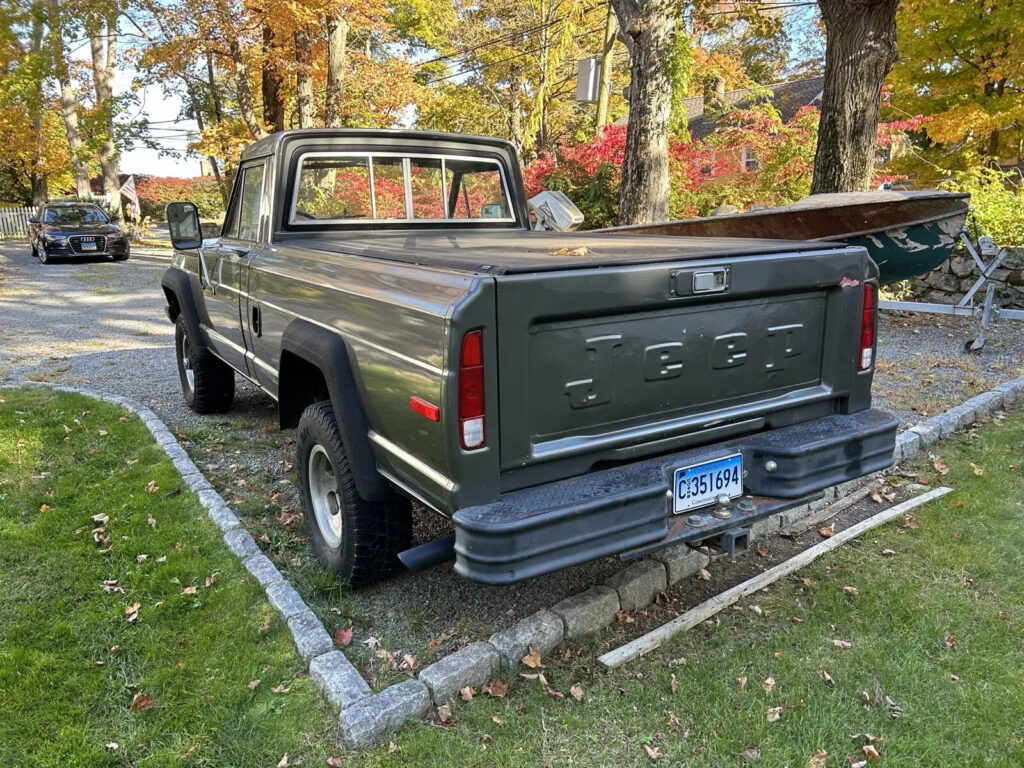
(351, 187)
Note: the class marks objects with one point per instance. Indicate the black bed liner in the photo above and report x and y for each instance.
(500, 252)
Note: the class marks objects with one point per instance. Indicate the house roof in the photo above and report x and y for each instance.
(787, 97)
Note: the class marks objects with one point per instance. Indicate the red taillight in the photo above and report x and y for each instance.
(866, 353)
(471, 392)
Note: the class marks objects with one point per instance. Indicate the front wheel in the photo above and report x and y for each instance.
(359, 539)
(207, 383)
(42, 255)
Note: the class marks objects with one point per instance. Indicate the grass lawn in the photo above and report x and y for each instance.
(72, 660)
(932, 612)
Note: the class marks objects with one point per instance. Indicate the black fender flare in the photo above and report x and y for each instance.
(178, 283)
(329, 353)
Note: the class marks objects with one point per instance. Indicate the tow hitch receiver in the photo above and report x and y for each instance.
(729, 542)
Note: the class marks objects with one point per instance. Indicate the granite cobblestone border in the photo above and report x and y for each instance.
(366, 718)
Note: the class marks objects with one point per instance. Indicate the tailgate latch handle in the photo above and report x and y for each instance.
(711, 280)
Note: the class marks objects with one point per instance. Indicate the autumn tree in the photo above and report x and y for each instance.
(962, 67)
(861, 50)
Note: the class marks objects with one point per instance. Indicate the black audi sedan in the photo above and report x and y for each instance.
(75, 230)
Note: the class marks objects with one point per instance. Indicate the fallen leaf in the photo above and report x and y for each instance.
(342, 637)
(112, 585)
(941, 468)
(623, 617)
(757, 609)
(976, 469)
(851, 591)
(768, 685)
(112, 745)
(151, 521)
(741, 681)
(673, 722)
(889, 552)
(334, 762)
(762, 552)
(162, 559)
(497, 720)
(132, 611)
(142, 701)
(577, 692)
(152, 487)
(826, 532)
(467, 693)
(870, 752)
(532, 659)
(954, 678)
(911, 521)
(842, 644)
(44, 507)
(101, 518)
(751, 754)
(875, 495)
(444, 714)
(409, 662)
(674, 684)
(280, 688)
(796, 620)
(775, 713)
(283, 762)
(826, 677)
(652, 752)
(392, 747)
(817, 760)
(661, 599)
(678, 662)
(209, 581)
(253, 684)
(190, 590)
(103, 432)
(140, 559)
(703, 575)
(553, 693)
(809, 583)
(496, 688)
(950, 640)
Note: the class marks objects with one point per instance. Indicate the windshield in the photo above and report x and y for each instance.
(340, 187)
(74, 214)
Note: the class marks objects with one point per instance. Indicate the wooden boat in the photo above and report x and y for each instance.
(906, 233)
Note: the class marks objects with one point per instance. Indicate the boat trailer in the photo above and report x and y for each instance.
(966, 307)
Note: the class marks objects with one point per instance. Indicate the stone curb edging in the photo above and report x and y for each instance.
(332, 673)
(366, 718)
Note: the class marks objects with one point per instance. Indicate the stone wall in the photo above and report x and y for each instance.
(948, 283)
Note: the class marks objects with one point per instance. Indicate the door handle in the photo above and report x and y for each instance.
(257, 321)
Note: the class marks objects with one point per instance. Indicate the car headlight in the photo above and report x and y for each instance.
(55, 240)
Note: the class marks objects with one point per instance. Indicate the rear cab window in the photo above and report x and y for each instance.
(352, 187)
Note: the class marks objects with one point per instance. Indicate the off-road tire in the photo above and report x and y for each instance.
(212, 389)
(372, 533)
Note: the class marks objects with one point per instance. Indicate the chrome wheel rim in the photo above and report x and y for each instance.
(186, 363)
(323, 493)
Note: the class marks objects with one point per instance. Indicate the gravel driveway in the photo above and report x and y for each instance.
(102, 324)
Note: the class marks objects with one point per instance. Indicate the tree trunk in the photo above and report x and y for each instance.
(649, 31)
(304, 77)
(605, 84)
(37, 178)
(273, 98)
(103, 46)
(337, 51)
(69, 107)
(860, 51)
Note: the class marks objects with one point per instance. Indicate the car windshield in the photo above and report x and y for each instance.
(74, 214)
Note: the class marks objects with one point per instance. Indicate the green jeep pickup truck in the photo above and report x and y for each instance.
(560, 396)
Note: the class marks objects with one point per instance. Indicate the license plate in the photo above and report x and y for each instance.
(700, 485)
(88, 246)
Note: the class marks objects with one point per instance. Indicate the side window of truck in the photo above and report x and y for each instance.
(244, 216)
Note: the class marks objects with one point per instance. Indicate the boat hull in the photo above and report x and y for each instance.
(905, 233)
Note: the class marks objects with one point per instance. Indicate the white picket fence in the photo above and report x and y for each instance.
(14, 221)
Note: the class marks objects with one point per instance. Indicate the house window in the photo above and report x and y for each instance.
(748, 159)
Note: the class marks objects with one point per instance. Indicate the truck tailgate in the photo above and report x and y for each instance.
(611, 363)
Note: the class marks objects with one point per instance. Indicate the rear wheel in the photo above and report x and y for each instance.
(359, 539)
(207, 383)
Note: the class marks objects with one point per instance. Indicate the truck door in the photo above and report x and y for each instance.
(227, 264)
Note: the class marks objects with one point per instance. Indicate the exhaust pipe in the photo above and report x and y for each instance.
(430, 554)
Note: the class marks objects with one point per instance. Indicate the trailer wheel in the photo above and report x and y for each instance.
(360, 540)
